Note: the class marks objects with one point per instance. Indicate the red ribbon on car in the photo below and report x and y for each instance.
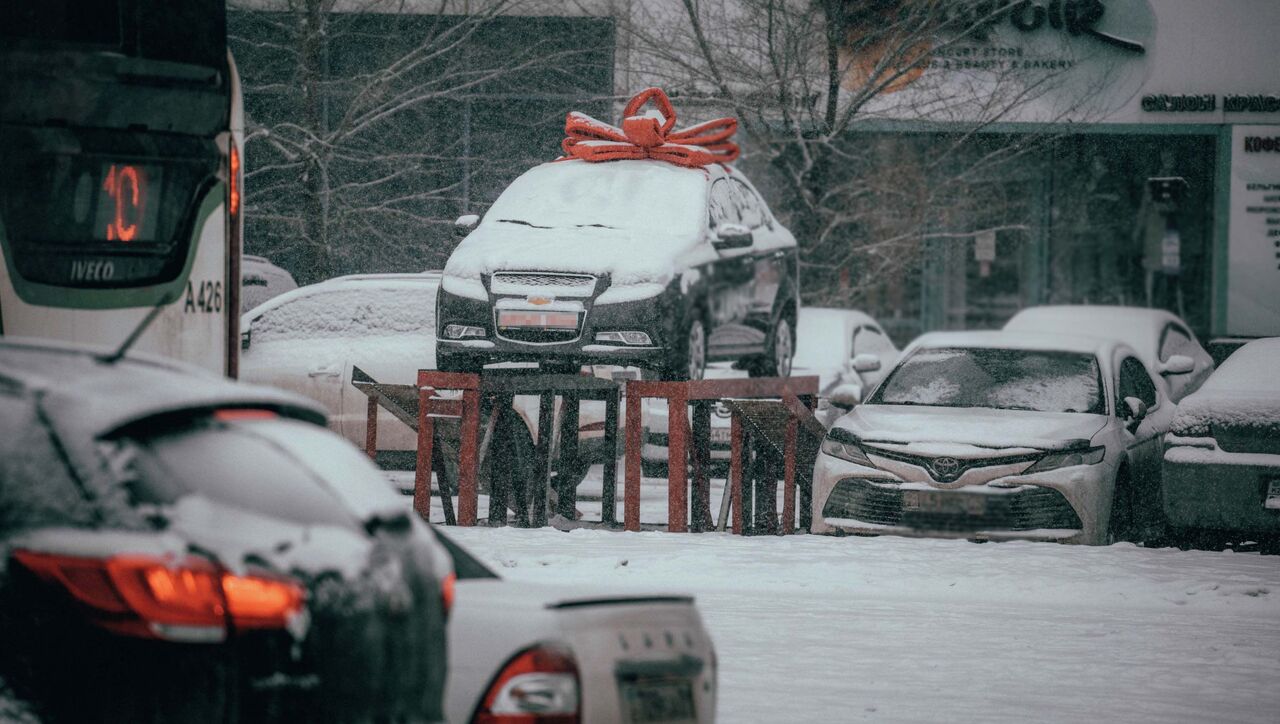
(649, 135)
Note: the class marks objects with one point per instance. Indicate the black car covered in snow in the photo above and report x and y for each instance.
(178, 547)
(631, 262)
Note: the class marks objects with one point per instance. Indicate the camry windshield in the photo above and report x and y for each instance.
(627, 195)
(1003, 379)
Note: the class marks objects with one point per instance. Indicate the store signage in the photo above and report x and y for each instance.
(1073, 17)
(1253, 268)
(1262, 144)
(1208, 103)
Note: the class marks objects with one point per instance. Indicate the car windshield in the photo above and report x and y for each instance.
(352, 311)
(644, 196)
(1003, 379)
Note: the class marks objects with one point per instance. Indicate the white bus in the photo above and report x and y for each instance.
(121, 132)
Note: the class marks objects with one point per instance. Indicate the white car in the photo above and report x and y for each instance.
(261, 280)
(310, 339)
(997, 435)
(847, 351)
(1222, 458)
(1162, 340)
(842, 347)
(528, 653)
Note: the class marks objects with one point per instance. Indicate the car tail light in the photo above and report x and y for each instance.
(189, 600)
(238, 414)
(539, 685)
(447, 591)
(261, 601)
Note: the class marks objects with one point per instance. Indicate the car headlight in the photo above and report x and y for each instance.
(840, 443)
(1067, 458)
(463, 331)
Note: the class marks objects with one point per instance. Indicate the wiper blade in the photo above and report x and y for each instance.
(522, 222)
(598, 226)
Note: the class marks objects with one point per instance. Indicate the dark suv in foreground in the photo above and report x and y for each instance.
(635, 262)
(177, 547)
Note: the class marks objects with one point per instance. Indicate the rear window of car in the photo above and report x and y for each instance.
(232, 463)
(352, 311)
(1003, 379)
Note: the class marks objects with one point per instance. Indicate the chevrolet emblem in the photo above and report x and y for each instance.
(538, 300)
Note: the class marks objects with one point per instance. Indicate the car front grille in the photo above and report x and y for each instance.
(538, 336)
(950, 510)
(948, 469)
(557, 284)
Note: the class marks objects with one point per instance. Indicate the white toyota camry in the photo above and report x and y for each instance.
(994, 435)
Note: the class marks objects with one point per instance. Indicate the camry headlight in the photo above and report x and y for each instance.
(1067, 458)
(841, 443)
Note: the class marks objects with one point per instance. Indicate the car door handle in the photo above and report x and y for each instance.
(325, 371)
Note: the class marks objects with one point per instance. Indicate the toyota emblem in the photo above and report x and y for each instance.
(946, 469)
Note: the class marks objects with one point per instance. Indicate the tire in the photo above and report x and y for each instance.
(779, 353)
(688, 360)
(1120, 522)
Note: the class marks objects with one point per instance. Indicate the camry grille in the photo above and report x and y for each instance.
(945, 469)
(1026, 508)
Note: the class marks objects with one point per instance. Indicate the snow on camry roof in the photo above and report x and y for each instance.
(1016, 340)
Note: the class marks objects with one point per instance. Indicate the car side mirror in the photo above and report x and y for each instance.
(846, 396)
(465, 223)
(866, 363)
(732, 236)
(1179, 364)
(1137, 410)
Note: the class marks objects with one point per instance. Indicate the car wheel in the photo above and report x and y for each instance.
(778, 353)
(1120, 524)
(689, 361)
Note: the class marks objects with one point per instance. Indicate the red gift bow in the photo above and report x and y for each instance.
(647, 136)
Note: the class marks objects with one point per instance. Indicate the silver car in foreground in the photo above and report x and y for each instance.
(996, 435)
(530, 653)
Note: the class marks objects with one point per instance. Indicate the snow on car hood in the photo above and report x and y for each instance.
(987, 428)
(629, 257)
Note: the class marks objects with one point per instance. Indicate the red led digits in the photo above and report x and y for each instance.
(124, 185)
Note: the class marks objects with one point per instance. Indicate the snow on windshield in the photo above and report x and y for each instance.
(352, 312)
(1003, 379)
(654, 197)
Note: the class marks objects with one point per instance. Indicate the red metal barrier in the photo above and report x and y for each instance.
(797, 394)
(792, 397)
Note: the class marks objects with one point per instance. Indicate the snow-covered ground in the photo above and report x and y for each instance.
(810, 628)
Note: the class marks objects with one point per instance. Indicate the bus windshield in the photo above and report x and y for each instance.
(191, 32)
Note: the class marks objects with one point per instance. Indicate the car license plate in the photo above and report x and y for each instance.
(939, 502)
(658, 700)
(1273, 495)
(720, 435)
(537, 320)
